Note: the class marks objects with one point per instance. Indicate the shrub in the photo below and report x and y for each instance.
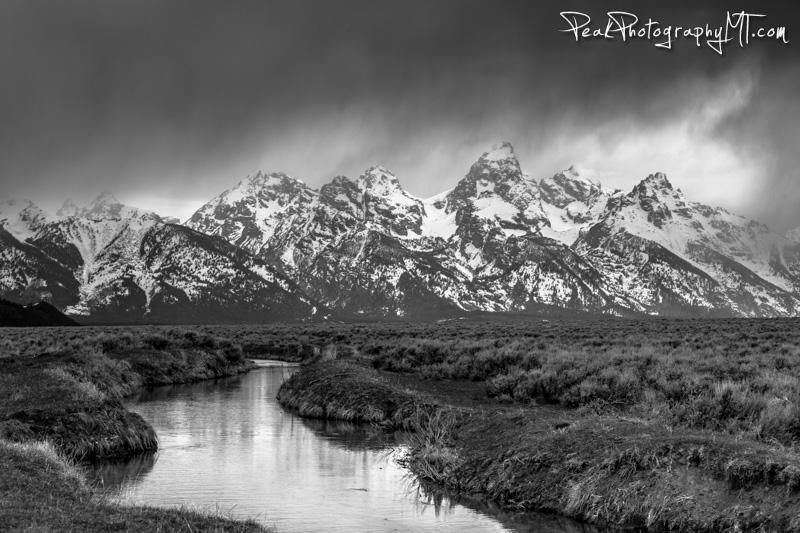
(233, 352)
(156, 342)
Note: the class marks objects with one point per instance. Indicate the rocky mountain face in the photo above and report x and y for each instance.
(502, 241)
(498, 241)
(673, 256)
(113, 262)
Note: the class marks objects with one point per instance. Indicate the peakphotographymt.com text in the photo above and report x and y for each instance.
(740, 28)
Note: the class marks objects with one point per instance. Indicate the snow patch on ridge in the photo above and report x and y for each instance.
(21, 218)
(561, 227)
(495, 208)
(437, 222)
(499, 152)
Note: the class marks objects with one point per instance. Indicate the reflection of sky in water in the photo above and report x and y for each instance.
(229, 445)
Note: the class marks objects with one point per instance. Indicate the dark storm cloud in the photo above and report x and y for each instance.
(153, 97)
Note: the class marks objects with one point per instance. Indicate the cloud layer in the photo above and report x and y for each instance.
(180, 100)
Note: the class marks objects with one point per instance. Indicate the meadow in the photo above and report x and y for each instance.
(688, 424)
(737, 376)
(634, 424)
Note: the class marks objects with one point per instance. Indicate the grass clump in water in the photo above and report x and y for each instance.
(343, 391)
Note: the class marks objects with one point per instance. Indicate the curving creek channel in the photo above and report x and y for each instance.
(227, 445)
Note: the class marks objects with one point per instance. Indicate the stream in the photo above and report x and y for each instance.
(226, 445)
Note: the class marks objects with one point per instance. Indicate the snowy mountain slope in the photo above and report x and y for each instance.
(67, 209)
(28, 275)
(501, 215)
(397, 280)
(356, 245)
(367, 246)
(21, 218)
(250, 213)
(496, 192)
(572, 204)
(498, 241)
(666, 252)
(109, 261)
(501, 241)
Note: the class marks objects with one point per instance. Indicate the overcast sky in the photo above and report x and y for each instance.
(167, 104)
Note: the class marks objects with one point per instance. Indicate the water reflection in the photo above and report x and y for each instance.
(112, 476)
(229, 445)
(350, 435)
(427, 496)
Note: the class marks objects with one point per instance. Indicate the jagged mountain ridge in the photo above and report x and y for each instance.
(498, 241)
(471, 248)
(114, 262)
(501, 241)
(669, 252)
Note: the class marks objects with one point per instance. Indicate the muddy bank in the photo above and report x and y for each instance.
(607, 469)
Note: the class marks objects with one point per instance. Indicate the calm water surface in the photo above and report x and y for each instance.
(227, 444)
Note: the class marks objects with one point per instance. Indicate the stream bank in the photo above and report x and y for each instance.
(62, 406)
(607, 469)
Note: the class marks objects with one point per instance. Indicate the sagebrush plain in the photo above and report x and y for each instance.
(644, 423)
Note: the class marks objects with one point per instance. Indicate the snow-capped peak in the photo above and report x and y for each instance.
(500, 165)
(255, 184)
(499, 152)
(272, 179)
(102, 207)
(67, 209)
(572, 203)
(658, 180)
(568, 186)
(22, 218)
(104, 198)
(379, 181)
(107, 207)
(14, 205)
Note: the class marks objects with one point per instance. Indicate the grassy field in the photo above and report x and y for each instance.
(671, 424)
(61, 400)
(738, 376)
(682, 424)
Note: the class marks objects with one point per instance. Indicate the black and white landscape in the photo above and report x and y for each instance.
(399, 265)
(271, 247)
(237, 140)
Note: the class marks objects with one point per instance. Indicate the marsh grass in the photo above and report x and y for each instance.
(662, 425)
(431, 451)
(667, 398)
(740, 377)
(68, 387)
(736, 376)
(42, 490)
(336, 390)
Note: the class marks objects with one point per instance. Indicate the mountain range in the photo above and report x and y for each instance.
(272, 247)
